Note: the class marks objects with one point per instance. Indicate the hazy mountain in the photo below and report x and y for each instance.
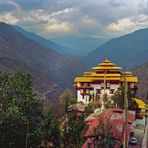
(79, 45)
(130, 50)
(52, 72)
(41, 40)
(142, 73)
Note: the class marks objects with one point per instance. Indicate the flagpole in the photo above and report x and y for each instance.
(126, 111)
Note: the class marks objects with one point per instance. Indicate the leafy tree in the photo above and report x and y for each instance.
(20, 111)
(109, 104)
(51, 130)
(66, 99)
(73, 126)
(73, 131)
(118, 99)
(89, 109)
(103, 135)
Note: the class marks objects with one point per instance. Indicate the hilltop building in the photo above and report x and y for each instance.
(105, 80)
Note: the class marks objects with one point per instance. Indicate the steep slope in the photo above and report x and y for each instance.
(41, 40)
(79, 45)
(142, 73)
(130, 50)
(52, 71)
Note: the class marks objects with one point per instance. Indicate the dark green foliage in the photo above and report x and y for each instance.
(66, 99)
(22, 121)
(89, 109)
(118, 99)
(18, 109)
(73, 131)
(73, 125)
(51, 130)
(109, 104)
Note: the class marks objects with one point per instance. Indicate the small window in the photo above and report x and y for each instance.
(87, 91)
(108, 84)
(102, 84)
(85, 84)
(83, 97)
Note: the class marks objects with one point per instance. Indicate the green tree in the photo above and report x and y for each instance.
(118, 99)
(51, 130)
(73, 131)
(20, 111)
(73, 126)
(66, 99)
(103, 135)
(89, 109)
(109, 104)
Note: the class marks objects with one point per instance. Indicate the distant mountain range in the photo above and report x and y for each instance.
(132, 47)
(41, 40)
(72, 45)
(79, 45)
(52, 71)
(130, 50)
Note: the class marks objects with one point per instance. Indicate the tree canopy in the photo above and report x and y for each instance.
(20, 111)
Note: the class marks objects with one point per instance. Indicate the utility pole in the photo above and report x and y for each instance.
(125, 112)
(144, 143)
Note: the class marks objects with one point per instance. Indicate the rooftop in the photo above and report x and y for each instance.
(106, 70)
(106, 65)
(115, 117)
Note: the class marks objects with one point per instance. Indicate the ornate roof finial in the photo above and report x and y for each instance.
(106, 61)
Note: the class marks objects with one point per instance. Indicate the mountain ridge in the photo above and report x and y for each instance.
(142, 73)
(79, 45)
(50, 69)
(131, 47)
(43, 41)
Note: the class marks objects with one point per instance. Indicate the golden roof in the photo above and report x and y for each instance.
(130, 79)
(82, 79)
(91, 79)
(94, 74)
(140, 103)
(99, 74)
(127, 73)
(106, 65)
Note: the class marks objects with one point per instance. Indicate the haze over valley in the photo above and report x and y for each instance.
(57, 40)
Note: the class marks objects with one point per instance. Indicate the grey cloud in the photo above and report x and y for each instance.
(117, 3)
(103, 12)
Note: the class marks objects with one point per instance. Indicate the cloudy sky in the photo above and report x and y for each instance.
(97, 18)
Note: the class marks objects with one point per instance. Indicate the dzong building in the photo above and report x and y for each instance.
(105, 79)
